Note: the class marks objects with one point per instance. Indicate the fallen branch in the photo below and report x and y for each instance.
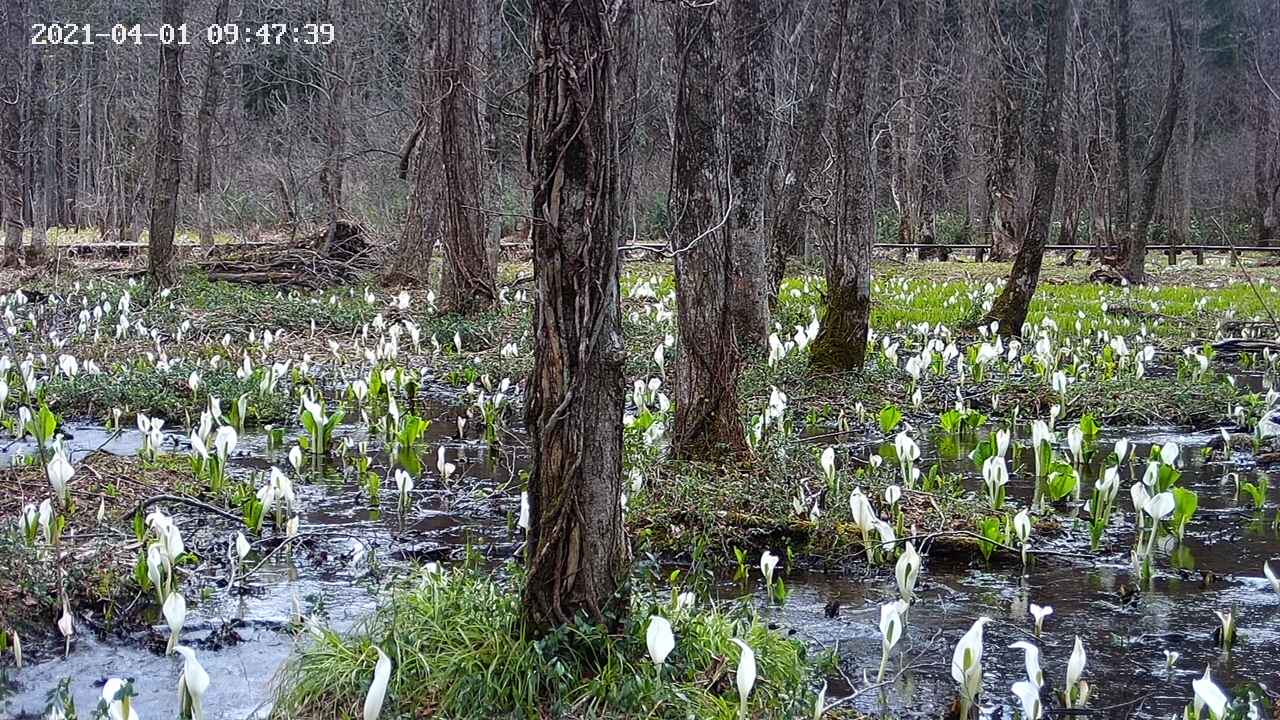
(181, 500)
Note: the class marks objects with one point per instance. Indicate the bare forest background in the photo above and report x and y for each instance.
(414, 120)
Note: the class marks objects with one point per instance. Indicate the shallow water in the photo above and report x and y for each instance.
(1124, 641)
(322, 579)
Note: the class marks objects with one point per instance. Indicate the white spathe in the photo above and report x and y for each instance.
(378, 688)
(659, 638)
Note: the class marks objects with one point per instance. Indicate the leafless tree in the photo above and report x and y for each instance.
(1134, 250)
(205, 118)
(701, 203)
(842, 342)
(1010, 307)
(750, 89)
(467, 280)
(167, 176)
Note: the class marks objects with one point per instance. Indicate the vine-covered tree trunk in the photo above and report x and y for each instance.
(11, 192)
(467, 281)
(751, 87)
(708, 362)
(806, 152)
(168, 166)
(577, 547)
(1010, 307)
(209, 99)
(842, 342)
(1134, 256)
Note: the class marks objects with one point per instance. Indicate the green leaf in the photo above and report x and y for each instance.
(889, 417)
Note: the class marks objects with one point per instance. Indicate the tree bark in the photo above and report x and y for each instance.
(1122, 16)
(164, 193)
(842, 341)
(708, 362)
(806, 152)
(1005, 113)
(38, 151)
(467, 282)
(751, 87)
(1134, 256)
(577, 550)
(11, 186)
(1010, 307)
(979, 140)
(205, 118)
(410, 259)
(335, 129)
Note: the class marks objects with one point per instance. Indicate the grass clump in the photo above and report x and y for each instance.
(162, 393)
(459, 651)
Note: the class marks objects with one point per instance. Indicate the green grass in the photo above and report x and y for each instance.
(162, 393)
(459, 651)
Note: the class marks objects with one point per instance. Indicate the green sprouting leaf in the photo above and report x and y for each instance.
(1062, 481)
(1185, 503)
(1089, 426)
(889, 417)
(951, 421)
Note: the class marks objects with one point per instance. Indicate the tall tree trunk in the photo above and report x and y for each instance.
(467, 282)
(751, 87)
(11, 185)
(335, 129)
(842, 342)
(806, 152)
(164, 191)
(1005, 113)
(1259, 58)
(978, 136)
(1134, 257)
(1010, 307)
(577, 551)
(38, 151)
(708, 362)
(1122, 16)
(205, 118)
(410, 259)
(1183, 162)
(84, 148)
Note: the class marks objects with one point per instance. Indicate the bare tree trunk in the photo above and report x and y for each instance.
(1010, 307)
(1182, 164)
(577, 551)
(978, 136)
(208, 112)
(467, 282)
(164, 192)
(410, 259)
(1122, 16)
(1266, 167)
(331, 173)
(842, 342)
(1134, 256)
(708, 362)
(806, 151)
(11, 191)
(84, 149)
(751, 86)
(1005, 112)
(38, 151)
